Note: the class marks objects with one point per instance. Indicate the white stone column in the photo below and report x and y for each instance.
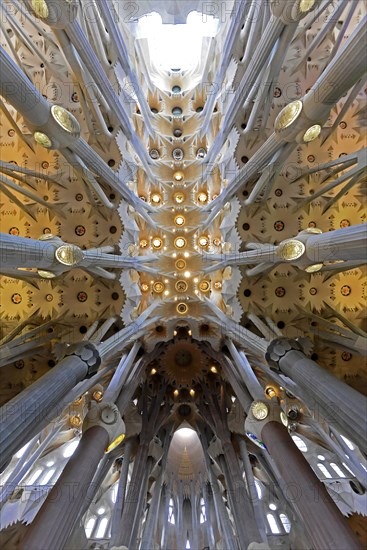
(337, 402)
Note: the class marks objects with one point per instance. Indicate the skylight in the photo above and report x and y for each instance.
(176, 46)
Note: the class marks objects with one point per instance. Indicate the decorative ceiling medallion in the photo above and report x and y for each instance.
(156, 198)
(202, 198)
(204, 286)
(313, 230)
(154, 154)
(312, 133)
(144, 287)
(179, 198)
(217, 285)
(306, 5)
(291, 249)
(40, 8)
(314, 268)
(201, 153)
(180, 264)
(180, 220)
(203, 241)
(177, 154)
(75, 421)
(69, 255)
(181, 286)
(46, 274)
(178, 176)
(180, 242)
(288, 115)
(157, 243)
(260, 410)
(115, 443)
(42, 139)
(143, 243)
(182, 308)
(158, 287)
(65, 119)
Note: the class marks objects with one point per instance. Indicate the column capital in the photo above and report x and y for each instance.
(89, 354)
(108, 417)
(260, 414)
(278, 348)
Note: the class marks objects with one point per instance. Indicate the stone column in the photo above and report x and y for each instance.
(152, 518)
(121, 491)
(181, 542)
(23, 416)
(224, 523)
(337, 402)
(20, 252)
(164, 519)
(244, 368)
(251, 488)
(58, 514)
(208, 523)
(348, 243)
(194, 515)
(324, 523)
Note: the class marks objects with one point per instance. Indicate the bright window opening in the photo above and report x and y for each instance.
(273, 524)
(176, 46)
(171, 515)
(202, 511)
(70, 448)
(337, 470)
(300, 443)
(285, 522)
(90, 526)
(188, 547)
(348, 443)
(34, 476)
(102, 528)
(347, 468)
(21, 451)
(324, 471)
(258, 488)
(46, 478)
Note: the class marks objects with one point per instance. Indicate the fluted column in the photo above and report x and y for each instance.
(349, 243)
(20, 252)
(251, 488)
(224, 522)
(337, 402)
(57, 516)
(194, 515)
(22, 417)
(244, 368)
(55, 519)
(151, 521)
(323, 521)
(121, 491)
(208, 523)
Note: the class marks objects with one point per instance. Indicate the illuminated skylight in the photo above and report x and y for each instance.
(176, 46)
(185, 433)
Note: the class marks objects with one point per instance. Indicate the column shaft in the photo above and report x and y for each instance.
(55, 520)
(20, 252)
(349, 243)
(25, 415)
(339, 403)
(324, 523)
